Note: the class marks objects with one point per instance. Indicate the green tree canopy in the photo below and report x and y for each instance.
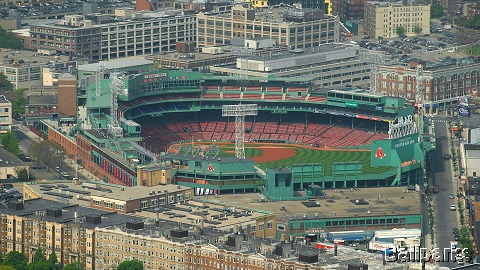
(19, 103)
(10, 143)
(53, 258)
(38, 257)
(22, 173)
(5, 84)
(130, 265)
(400, 30)
(8, 40)
(17, 260)
(73, 266)
(48, 153)
(417, 29)
(436, 11)
(6, 267)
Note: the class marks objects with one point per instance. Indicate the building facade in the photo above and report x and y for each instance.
(327, 65)
(67, 95)
(54, 227)
(128, 33)
(348, 9)
(293, 28)
(389, 20)
(5, 115)
(442, 85)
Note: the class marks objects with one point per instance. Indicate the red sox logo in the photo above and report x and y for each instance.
(379, 154)
(210, 167)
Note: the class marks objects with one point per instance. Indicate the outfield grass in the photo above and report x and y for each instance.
(249, 152)
(309, 155)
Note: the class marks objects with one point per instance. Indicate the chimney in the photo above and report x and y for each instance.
(75, 216)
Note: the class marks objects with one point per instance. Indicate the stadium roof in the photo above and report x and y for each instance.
(250, 78)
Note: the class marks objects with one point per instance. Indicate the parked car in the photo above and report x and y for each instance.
(453, 207)
(446, 156)
(451, 196)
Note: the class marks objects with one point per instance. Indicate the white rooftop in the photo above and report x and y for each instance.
(118, 63)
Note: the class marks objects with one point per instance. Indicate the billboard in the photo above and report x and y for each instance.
(464, 111)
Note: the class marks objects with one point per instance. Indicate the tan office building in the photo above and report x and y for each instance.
(296, 28)
(5, 115)
(382, 19)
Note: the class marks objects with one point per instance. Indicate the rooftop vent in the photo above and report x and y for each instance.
(179, 233)
(134, 225)
(54, 212)
(359, 202)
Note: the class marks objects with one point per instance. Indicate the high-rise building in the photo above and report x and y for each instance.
(295, 28)
(391, 19)
(103, 36)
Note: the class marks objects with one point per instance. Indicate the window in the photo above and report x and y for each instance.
(119, 206)
(97, 203)
(107, 205)
(270, 224)
(144, 204)
(261, 226)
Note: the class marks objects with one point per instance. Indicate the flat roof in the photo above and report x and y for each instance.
(7, 159)
(184, 213)
(28, 58)
(42, 100)
(134, 193)
(338, 203)
(119, 63)
(297, 53)
(37, 208)
(95, 188)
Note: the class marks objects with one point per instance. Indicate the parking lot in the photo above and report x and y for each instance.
(76, 6)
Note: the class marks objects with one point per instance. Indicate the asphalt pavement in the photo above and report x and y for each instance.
(441, 175)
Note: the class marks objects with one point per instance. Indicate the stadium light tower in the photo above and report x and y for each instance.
(116, 87)
(375, 59)
(239, 111)
(99, 75)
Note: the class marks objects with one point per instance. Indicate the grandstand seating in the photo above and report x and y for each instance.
(316, 99)
(158, 134)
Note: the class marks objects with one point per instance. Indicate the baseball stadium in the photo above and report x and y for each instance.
(296, 141)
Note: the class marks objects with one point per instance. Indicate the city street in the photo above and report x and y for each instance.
(26, 138)
(442, 176)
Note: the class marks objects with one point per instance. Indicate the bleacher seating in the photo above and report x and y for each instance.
(274, 89)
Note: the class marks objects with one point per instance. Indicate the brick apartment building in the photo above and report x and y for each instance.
(442, 84)
(67, 230)
(348, 9)
(103, 36)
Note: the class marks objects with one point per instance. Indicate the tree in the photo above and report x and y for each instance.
(17, 260)
(400, 30)
(436, 11)
(53, 261)
(6, 267)
(417, 29)
(130, 265)
(10, 143)
(22, 173)
(48, 153)
(19, 103)
(38, 257)
(9, 40)
(73, 266)
(5, 84)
